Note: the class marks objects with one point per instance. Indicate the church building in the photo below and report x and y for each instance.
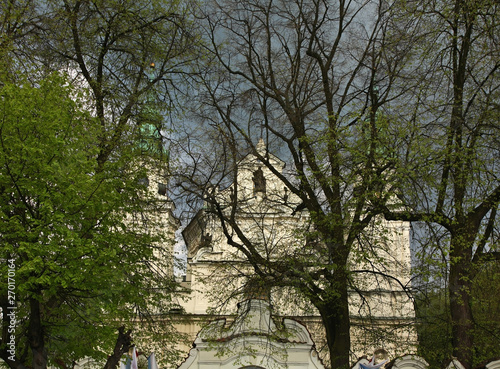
(381, 311)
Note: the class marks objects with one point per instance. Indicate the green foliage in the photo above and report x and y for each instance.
(434, 328)
(486, 312)
(435, 324)
(73, 232)
(85, 233)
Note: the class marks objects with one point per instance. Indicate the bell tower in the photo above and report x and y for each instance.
(150, 139)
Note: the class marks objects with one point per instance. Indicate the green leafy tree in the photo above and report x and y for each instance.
(107, 47)
(448, 175)
(85, 260)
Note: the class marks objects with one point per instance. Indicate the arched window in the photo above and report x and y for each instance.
(259, 182)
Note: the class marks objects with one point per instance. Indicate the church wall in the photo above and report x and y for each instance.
(268, 218)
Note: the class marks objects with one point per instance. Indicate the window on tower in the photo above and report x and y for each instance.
(259, 182)
(162, 189)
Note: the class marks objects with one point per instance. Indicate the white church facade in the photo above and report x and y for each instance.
(381, 311)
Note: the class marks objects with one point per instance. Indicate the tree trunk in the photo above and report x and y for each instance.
(460, 284)
(8, 337)
(123, 344)
(335, 317)
(36, 338)
(16, 364)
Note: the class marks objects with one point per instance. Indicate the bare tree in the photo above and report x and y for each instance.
(309, 78)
